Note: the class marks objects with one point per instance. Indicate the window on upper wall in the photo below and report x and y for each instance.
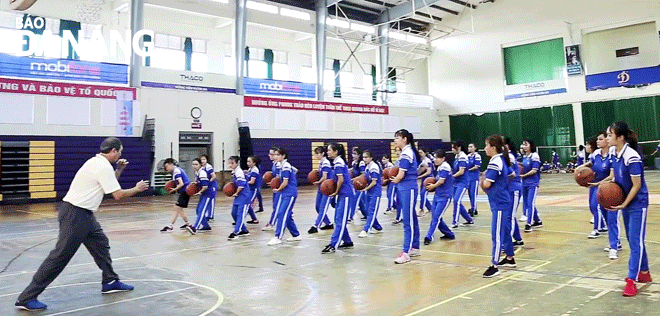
(168, 53)
(280, 65)
(400, 81)
(307, 73)
(346, 77)
(257, 67)
(199, 60)
(228, 62)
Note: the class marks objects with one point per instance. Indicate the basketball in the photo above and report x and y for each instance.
(313, 176)
(393, 172)
(267, 176)
(229, 189)
(328, 186)
(170, 185)
(427, 181)
(610, 194)
(21, 5)
(584, 176)
(360, 182)
(192, 188)
(386, 173)
(275, 183)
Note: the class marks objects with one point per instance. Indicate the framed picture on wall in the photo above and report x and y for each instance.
(573, 60)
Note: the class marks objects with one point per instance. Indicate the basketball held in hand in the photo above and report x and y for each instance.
(229, 189)
(428, 181)
(275, 183)
(267, 177)
(360, 182)
(170, 185)
(328, 187)
(610, 194)
(192, 189)
(313, 176)
(584, 176)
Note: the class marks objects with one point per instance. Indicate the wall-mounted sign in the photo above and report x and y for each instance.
(573, 60)
(124, 113)
(187, 80)
(277, 88)
(63, 89)
(62, 69)
(196, 125)
(534, 89)
(314, 105)
(623, 78)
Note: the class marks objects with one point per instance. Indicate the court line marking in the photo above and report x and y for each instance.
(550, 291)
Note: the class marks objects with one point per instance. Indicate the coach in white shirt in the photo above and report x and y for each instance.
(78, 225)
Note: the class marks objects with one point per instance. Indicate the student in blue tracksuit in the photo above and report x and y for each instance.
(555, 160)
(425, 170)
(495, 184)
(322, 200)
(206, 195)
(515, 190)
(276, 196)
(179, 176)
(213, 183)
(581, 155)
(288, 190)
(531, 178)
(461, 182)
(444, 188)
(359, 201)
(373, 191)
(399, 218)
(254, 182)
(601, 172)
(628, 169)
(344, 194)
(406, 182)
(391, 197)
(473, 171)
(242, 198)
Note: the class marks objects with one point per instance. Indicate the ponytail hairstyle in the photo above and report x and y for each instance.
(581, 147)
(459, 144)
(282, 151)
(321, 150)
(410, 140)
(340, 150)
(532, 146)
(592, 143)
(511, 145)
(620, 128)
(497, 142)
(256, 160)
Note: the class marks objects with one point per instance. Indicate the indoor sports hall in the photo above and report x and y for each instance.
(329, 157)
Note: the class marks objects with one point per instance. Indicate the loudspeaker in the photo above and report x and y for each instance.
(245, 145)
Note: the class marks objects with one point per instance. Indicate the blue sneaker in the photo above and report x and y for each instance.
(115, 286)
(32, 305)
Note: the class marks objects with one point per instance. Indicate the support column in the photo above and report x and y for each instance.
(137, 24)
(321, 15)
(577, 123)
(384, 55)
(239, 36)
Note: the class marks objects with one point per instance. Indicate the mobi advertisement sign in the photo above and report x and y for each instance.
(62, 69)
(279, 88)
(314, 105)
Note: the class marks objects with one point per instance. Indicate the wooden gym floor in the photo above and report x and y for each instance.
(560, 271)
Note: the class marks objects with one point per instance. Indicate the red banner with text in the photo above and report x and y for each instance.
(261, 102)
(61, 89)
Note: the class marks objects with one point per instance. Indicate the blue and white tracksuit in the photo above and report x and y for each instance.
(286, 201)
(460, 187)
(212, 185)
(253, 173)
(206, 199)
(531, 187)
(373, 172)
(344, 196)
(408, 191)
(391, 197)
(601, 167)
(241, 202)
(499, 199)
(359, 198)
(515, 190)
(441, 201)
(322, 200)
(474, 159)
(397, 203)
(276, 195)
(555, 160)
(423, 194)
(627, 164)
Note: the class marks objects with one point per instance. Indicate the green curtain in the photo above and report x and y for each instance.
(147, 59)
(512, 126)
(335, 68)
(564, 130)
(188, 49)
(268, 58)
(374, 94)
(534, 62)
(74, 27)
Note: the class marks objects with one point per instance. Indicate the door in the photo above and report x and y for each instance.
(186, 156)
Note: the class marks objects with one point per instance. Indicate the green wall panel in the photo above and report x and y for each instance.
(534, 62)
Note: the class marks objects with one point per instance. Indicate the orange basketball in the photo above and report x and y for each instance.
(192, 188)
(275, 183)
(170, 185)
(429, 180)
(229, 189)
(394, 171)
(584, 175)
(313, 176)
(386, 173)
(360, 182)
(328, 186)
(610, 194)
(267, 176)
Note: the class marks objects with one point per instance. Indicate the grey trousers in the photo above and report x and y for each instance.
(77, 226)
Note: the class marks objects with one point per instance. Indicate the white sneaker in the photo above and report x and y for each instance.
(594, 234)
(607, 249)
(297, 238)
(415, 252)
(374, 231)
(362, 234)
(613, 254)
(274, 241)
(523, 218)
(268, 227)
(402, 258)
(592, 220)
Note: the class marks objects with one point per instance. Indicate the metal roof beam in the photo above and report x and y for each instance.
(331, 2)
(404, 9)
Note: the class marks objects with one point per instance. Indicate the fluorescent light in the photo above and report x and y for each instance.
(262, 7)
(221, 1)
(362, 28)
(295, 14)
(337, 23)
(416, 39)
(397, 35)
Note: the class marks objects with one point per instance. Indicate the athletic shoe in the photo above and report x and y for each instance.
(396, 222)
(630, 289)
(233, 224)
(363, 218)
(491, 272)
(427, 241)
(644, 277)
(475, 213)
(387, 211)
(523, 218)
(166, 229)
(313, 230)
(468, 223)
(614, 254)
(375, 231)
(346, 245)
(414, 252)
(204, 229)
(211, 219)
(183, 227)
(349, 221)
(32, 305)
(537, 224)
(327, 227)
(592, 220)
(607, 249)
(518, 243)
(594, 234)
(362, 234)
(604, 230)
(191, 229)
(268, 227)
(294, 238)
(232, 236)
(115, 286)
(508, 262)
(328, 249)
(259, 211)
(470, 212)
(402, 258)
(528, 228)
(253, 222)
(454, 226)
(243, 233)
(274, 241)
(447, 237)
